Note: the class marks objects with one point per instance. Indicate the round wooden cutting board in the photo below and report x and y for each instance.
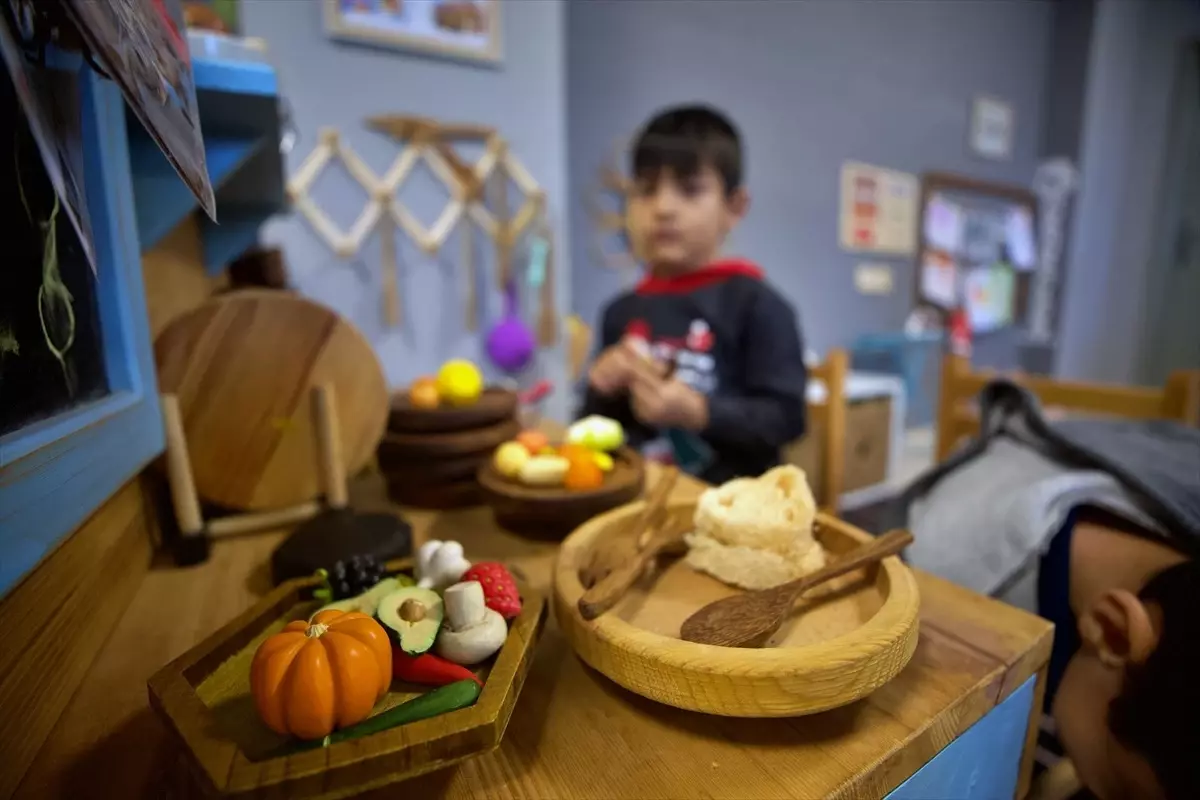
(242, 366)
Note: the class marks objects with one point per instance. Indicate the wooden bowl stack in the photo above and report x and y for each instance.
(430, 456)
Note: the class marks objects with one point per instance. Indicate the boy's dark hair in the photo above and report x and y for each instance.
(685, 139)
(1157, 713)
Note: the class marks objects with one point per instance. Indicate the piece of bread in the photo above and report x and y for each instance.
(757, 532)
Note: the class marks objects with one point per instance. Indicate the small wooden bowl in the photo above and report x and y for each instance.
(846, 639)
(436, 497)
(433, 471)
(552, 513)
(204, 697)
(494, 405)
(404, 448)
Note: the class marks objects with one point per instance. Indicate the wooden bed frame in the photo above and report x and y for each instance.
(957, 418)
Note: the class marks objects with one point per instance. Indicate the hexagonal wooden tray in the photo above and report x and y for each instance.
(204, 698)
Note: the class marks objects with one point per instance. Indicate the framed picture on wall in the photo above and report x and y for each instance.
(993, 126)
(460, 29)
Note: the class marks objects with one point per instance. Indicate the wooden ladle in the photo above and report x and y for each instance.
(749, 619)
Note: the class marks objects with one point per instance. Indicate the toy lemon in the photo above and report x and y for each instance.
(459, 382)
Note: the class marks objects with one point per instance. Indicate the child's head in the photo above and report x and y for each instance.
(687, 188)
(1128, 709)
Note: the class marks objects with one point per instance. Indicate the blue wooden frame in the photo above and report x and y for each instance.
(54, 474)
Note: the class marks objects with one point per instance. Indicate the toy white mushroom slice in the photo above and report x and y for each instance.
(471, 632)
(440, 564)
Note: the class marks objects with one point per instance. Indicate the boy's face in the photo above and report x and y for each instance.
(679, 222)
(1118, 630)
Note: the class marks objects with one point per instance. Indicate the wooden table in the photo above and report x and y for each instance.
(574, 733)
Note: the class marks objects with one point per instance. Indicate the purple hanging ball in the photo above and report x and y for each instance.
(510, 345)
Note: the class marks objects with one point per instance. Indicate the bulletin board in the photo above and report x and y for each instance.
(977, 249)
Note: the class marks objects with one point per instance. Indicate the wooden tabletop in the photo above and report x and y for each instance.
(574, 734)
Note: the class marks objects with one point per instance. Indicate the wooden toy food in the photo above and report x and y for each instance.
(440, 564)
(510, 457)
(473, 632)
(424, 393)
(544, 471)
(583, 474)
(296, 688)
(499, 587)
(428, 669)
(413, 615)
(597, 433)
(443, 700)
(534, 441)
(365, 603)
(459, 382)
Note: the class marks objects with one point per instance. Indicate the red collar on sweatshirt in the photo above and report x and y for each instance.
(705, 276)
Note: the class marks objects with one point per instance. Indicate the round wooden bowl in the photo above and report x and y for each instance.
(494, 406)
(845, 640)
(552, 513)
(441, 497)
(401, 448)
(432, 471)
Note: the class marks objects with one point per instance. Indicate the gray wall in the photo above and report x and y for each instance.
(334, 84)
(811, 84)
(1125, 139)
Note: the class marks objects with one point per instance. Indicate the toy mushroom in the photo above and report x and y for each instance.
(440, 564)
(472, 631)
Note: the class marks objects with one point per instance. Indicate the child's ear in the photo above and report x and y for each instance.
(738, 203)
(1118, 629)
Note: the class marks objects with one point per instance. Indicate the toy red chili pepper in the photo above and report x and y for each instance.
(428, 669)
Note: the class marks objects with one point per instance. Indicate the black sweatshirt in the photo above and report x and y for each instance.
(730, 336)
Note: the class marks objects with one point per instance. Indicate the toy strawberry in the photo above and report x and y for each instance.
(499, 587)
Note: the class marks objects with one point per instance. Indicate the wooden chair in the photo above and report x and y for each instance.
(957, 417)
(827, 421)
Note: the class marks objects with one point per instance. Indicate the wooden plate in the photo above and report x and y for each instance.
(242, 366)
(553, 513)
(845, 640)
(401, 448)
(495, 405)
(204, 697)
(429, 471)
(440, 497)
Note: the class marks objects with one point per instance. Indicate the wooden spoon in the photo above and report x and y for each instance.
(749, 619)
(617, 549)
(605, 594)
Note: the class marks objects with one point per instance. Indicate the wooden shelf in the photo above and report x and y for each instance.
(161, 199)
(238, 109)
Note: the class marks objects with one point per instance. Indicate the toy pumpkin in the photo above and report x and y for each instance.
(327, 673)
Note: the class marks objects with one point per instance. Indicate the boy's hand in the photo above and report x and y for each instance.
(667, 403)
(614, 369)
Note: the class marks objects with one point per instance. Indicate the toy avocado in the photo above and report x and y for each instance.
(413, 616)
(368, 602)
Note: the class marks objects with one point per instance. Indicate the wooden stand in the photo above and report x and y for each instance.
(196, 534)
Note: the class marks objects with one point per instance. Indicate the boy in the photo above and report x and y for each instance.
(1124, 668)
(702, 356)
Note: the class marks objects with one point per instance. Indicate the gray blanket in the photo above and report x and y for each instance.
(982, 516)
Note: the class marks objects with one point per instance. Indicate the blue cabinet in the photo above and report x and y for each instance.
(55, 472)
(982, 764)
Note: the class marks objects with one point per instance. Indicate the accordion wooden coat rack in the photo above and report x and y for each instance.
(469, 187)
(608, 224)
